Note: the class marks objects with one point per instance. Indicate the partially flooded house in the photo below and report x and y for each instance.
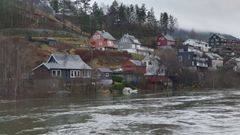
(104, 76)
(156, 71)
(63, 66)
(133, 71)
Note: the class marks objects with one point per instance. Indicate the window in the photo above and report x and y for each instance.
(107, 75)
(96, 37)
(110, 43)
(162, 71)
(149, 63)
(75, 74)
(181, 50)
(180, 58)
(193, 63)
(56, 73)
(72, 75)
(78, 73)
(100, 43)
(86, 74)
(134, 46)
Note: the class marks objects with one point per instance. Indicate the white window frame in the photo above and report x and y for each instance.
(80, 74)
(180, 58)
(75, 74)
(97, 37)
(107, 74)
(87, 74)
(72, 74)
(110, 43)
(56, 73)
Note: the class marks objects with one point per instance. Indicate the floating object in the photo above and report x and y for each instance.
(128, 91)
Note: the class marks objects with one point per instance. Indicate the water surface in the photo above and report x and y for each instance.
(198, 113)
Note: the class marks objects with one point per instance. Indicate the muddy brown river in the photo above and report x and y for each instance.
(184, 113)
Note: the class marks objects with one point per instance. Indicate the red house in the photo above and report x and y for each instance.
(134, 66)
(165, 40)
(103, 40)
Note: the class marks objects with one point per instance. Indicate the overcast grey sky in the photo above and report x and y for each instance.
(205, 15)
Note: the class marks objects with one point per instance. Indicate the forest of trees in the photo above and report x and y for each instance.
(118, 18)
(14, 60)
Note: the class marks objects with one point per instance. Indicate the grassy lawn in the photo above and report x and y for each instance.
(137, 56)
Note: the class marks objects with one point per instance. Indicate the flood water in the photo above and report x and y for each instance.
(188, 113)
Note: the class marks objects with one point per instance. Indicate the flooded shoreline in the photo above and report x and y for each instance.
(195, 112)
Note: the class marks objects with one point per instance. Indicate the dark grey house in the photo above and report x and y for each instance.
(104, 76)
(67, 67)
(217, 40)
(192, 58)
(104, 73)
(129, 43)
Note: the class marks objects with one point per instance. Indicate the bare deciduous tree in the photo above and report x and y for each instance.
(13, 65)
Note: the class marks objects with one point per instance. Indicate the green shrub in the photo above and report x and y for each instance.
(118, 86)
(137, 56)
(117, 79)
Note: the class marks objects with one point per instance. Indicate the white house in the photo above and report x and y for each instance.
(236, 67)
(145, 51)
(129, 43)
(153, 66)
(201, 45)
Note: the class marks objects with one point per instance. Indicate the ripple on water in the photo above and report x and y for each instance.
(198, 113)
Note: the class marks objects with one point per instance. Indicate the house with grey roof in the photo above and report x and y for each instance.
(129, 43)
(63, 66)
(103, 40)
(217, 40)
(51, 41)
(133, 71)
(215, 61)
(198, 44)
(154, 67)
(192, 58)
(104, 76)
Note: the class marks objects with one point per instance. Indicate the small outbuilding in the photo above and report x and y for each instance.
(51, 41)
(104, 76)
